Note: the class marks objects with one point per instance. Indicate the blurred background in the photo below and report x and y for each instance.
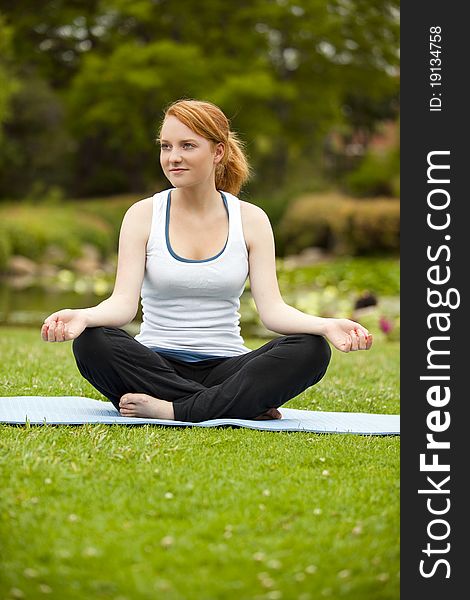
(311, 86)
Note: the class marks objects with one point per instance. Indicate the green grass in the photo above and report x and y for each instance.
(115, 512)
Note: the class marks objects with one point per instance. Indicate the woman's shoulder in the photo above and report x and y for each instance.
(139, 216)
(143, 208)
(254, 221)
(140, 209)
(252, 213)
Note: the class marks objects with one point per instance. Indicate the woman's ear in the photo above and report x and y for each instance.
(219, 153)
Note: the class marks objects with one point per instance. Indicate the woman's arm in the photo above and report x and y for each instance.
(275, 314)
(121, 307)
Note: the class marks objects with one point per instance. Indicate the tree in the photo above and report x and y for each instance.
(283, 71)
(8, 82)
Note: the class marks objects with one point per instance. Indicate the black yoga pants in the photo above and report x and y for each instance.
(243, 386)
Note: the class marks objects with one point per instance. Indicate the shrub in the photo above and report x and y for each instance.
(30, 230)
(5, 248)
(110, 210)
(26, 238)
(341, 224)
(311, 221)
(372, 227)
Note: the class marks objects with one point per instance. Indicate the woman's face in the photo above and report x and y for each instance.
(187, 158)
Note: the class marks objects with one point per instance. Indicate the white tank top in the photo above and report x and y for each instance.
(191, 306)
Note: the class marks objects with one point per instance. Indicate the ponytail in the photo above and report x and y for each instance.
(233, 170)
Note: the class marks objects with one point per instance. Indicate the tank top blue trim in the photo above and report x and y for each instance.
(167, 234)
(184, 355)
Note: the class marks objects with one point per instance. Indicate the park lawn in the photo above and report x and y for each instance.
(131, 513)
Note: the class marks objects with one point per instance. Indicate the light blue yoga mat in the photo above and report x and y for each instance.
(76, 410)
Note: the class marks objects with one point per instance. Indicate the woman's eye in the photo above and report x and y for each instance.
(186, 146)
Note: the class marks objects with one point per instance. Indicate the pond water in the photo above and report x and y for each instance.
(30, 306)
(329, 289)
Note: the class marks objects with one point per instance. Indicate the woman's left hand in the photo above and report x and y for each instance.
(347, 335)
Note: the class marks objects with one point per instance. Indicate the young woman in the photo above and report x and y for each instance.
(187, 251)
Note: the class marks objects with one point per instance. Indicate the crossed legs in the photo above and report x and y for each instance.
(140, 382)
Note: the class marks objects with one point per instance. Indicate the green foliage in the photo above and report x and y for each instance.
(377, 174)
(36, 146)
(110, 209)
(311, 221)
(373, 227)
(120, 512)
(115, 102)
(31, 231)
(8, 81)
(341, 224)
(380, 276)
(284, 74)
(5, 247)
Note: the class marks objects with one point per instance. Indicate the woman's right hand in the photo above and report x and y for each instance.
(63, 325)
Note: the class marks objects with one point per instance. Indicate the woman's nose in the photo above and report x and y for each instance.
(175, 156)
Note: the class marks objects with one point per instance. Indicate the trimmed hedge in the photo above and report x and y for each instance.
(341, 224)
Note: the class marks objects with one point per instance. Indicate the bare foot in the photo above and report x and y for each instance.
(143, 405)
(271, 413)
